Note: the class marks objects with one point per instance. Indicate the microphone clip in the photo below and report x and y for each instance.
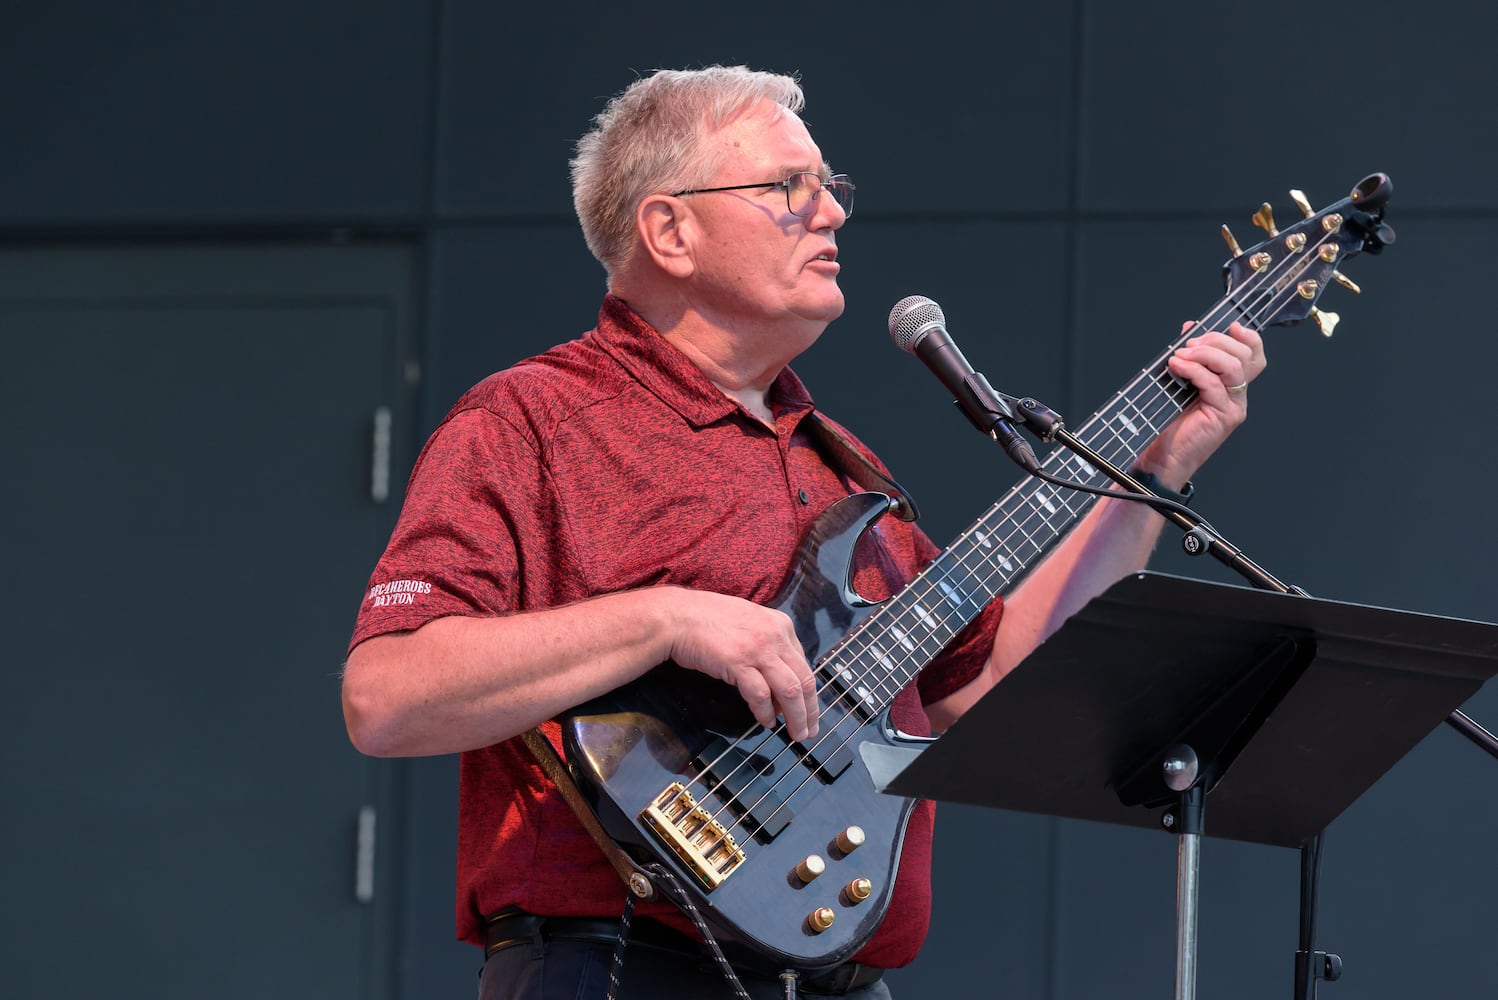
(983, 405)
(991, 412)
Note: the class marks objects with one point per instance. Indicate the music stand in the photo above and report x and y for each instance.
(1291, 706)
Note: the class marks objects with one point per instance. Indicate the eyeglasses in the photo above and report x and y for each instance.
(801, 191)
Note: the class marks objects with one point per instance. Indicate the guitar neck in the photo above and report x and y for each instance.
(906, 633)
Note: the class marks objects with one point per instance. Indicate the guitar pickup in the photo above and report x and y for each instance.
(693, 835)
(752, 780)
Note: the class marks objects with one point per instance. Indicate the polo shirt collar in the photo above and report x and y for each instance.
(668, 373)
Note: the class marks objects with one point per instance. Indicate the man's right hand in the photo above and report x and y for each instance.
(752, 647)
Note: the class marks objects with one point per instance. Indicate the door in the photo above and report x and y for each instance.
(189, 522)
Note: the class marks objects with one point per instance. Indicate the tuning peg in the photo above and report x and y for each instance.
(1326, 320)
(1264, 219)
(1302, 202)
(1227, 235)
(1346, 282)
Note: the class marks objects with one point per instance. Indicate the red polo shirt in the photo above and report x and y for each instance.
(606, 464)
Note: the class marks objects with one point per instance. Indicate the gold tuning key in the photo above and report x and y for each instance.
(1346, 282)
(1302, 202)
(1327, 321)
(1264, 219)
(1227, 236)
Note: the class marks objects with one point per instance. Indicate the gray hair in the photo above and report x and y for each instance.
(653, 137)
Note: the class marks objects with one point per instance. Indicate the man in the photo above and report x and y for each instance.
(638, 495)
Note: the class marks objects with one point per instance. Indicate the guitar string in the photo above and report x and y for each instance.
(1164, 387)
(1163, 390)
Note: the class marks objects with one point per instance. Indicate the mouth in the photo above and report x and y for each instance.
(829, 257)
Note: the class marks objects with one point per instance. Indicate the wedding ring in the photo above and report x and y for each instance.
(1240, 387)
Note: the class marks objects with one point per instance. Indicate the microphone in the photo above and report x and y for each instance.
(918, 326)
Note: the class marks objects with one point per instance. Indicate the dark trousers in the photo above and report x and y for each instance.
(559, 969)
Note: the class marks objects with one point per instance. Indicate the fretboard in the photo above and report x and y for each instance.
(885, 652)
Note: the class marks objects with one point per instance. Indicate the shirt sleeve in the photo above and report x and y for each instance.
(474, 508)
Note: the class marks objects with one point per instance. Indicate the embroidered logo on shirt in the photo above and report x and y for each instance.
(397, 592)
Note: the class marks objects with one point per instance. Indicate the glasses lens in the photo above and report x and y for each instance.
(801, 191)
(842, 189)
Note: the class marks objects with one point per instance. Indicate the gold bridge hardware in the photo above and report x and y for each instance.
(693, 835)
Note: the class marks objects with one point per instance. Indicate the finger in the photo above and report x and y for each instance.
(1230, 359)
(756, 694)
(795, 692)
(1242, 342)
(1219, 386)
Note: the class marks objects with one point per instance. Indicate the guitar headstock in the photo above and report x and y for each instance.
(1279, 281)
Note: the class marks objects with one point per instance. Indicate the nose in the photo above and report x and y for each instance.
(829, 213)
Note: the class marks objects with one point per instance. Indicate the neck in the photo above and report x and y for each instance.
(741, 378)
(741, 360)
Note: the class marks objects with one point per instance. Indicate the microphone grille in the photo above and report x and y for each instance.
(911, 318)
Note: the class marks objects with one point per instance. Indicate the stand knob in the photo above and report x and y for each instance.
(1180, 768)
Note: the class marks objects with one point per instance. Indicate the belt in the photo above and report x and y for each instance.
(513, 927)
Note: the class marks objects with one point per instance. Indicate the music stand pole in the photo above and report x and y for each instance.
(1181, 774)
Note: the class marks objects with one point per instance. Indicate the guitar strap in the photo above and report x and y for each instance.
(846, 458)
(551, 762)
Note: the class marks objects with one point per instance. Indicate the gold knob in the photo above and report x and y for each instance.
(821, 918)
(811, 868)
(1302, 202)
(859, 889)
(850, 839)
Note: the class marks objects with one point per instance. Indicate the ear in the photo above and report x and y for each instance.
(667, 230)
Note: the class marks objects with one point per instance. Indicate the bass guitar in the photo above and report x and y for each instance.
(789, 850)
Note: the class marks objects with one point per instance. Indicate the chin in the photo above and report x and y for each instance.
(825, 310)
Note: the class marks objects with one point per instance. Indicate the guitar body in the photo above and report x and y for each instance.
(630, 746)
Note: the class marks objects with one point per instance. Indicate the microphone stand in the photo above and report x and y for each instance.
(993, 414)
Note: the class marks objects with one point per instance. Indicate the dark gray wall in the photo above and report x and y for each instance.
(1054, 175)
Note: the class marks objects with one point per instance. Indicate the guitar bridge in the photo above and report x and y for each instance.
(693, 835)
